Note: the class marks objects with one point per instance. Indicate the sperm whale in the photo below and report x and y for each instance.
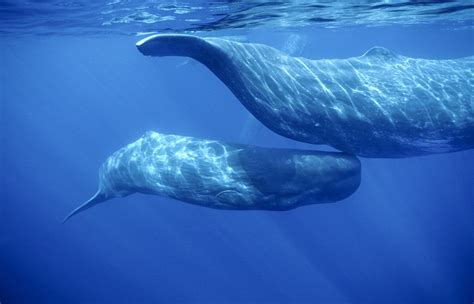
(218, 175)
(380, 104)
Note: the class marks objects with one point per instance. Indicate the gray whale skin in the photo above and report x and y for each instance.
(225, 176)
(377, 105)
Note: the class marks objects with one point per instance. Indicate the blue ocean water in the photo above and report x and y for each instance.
(74, 89)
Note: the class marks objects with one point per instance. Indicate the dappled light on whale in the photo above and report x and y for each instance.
(380, 104)
(214, 174)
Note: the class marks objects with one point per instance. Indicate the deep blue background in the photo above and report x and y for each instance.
(406, 236)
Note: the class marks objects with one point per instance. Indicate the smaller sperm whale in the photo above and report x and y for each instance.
(218, 175)
(380, 104)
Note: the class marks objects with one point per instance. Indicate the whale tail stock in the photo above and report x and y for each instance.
(176, 45)
(200, 49)
(97, 198)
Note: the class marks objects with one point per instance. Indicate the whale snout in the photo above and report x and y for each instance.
(344, 177)
(353, 172)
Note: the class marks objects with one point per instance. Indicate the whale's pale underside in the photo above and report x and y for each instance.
(225, 176)
(377, 105)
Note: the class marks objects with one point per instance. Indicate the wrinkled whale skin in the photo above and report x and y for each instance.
(226, 176)
(377, 105)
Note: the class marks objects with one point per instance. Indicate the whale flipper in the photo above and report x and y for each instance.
(380, 104)
(94, 200)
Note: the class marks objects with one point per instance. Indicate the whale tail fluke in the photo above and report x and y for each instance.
(203, 50)
(174, 45)
(97, 198)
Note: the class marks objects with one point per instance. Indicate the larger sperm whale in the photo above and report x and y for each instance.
(377, 105)
(218, 175)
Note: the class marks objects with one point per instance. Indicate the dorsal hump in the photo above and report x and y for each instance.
(380, 52)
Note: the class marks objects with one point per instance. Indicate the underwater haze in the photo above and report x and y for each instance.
(74, 89)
